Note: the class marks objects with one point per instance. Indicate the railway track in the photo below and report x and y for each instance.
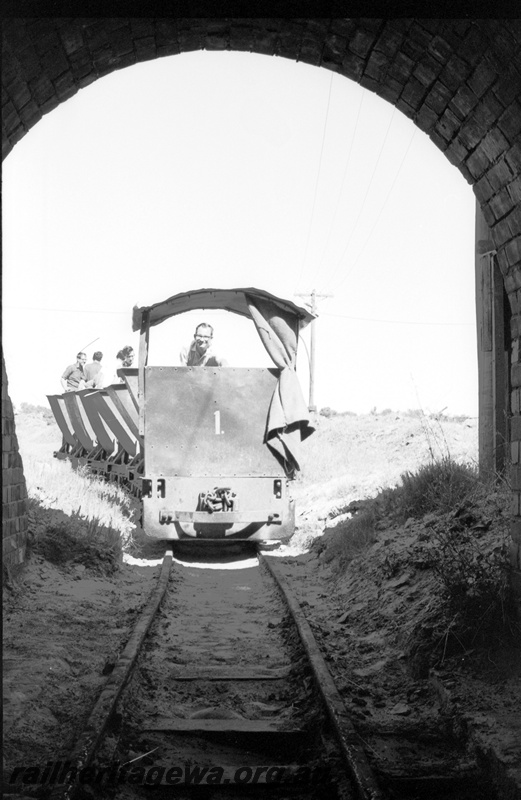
(220, 696)
(222, 691)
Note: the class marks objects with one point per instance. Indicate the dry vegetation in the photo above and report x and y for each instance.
(73, 517)
(449, 527)
(451, 531)
(354, 457)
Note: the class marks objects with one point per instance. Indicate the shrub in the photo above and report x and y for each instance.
(39, 411)
(437, 487)
(63, 539)
(473, 609)
(475, 612)
(415, 413)
(327, 412)
(474, 579)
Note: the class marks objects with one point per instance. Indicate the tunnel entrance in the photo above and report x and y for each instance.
(458, 80)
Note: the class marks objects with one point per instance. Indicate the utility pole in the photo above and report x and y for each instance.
(313, 308)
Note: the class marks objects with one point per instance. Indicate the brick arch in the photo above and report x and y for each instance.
(458, 80)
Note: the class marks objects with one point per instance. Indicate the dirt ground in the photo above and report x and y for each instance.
(62, 630)
(64, 626)
(363, 617)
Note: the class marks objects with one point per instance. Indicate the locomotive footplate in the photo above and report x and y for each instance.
(238, 507)
(220, 517)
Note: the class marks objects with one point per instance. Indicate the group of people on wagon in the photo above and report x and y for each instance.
(80, 375)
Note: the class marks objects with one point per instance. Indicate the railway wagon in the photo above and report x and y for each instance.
(211, 451)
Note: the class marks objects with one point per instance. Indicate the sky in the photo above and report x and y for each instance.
(227, 169)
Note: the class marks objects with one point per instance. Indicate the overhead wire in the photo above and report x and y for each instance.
(65, 310)
(315, 193)
(362, 205)
(337, 206)
(377, 219)
(394, 321)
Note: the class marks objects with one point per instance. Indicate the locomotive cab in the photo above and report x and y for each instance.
(221, 444)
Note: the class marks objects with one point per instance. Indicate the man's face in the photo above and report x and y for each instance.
(82, 360)
(203, 339)
(127, 362)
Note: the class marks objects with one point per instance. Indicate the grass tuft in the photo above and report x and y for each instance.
(435, 488)
(70, 539)
(81, 496)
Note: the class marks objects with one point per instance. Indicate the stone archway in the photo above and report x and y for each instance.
(458, 80)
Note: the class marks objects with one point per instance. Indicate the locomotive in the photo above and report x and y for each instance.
(210, 451)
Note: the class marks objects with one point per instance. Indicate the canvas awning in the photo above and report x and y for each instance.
(234, 300)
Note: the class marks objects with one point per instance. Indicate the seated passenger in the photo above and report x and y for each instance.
(124, 358)
(200, 353)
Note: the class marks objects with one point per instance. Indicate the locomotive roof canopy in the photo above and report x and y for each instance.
(234, 300)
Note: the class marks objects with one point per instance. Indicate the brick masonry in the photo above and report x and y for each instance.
(14, 492)
(458, 80)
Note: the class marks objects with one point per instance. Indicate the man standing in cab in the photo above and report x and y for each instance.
(200, 352)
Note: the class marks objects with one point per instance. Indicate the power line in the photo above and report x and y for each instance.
(362, 206)
(357, 259)
(65, 310)
(316, 182)
(395, 321)
(333, 218)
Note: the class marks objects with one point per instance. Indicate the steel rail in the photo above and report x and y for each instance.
(349, 741)
(85, 747)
